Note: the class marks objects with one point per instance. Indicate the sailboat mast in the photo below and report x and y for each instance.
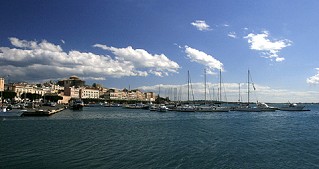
(220, 85)
(188, 85)
(205, 85)
(248, 86)
(239, 92)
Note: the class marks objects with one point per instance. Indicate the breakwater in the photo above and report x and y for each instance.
(43, 110)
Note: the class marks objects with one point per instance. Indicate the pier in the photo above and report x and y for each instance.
(43, 110)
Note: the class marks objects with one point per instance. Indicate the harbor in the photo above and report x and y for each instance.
(106, 137)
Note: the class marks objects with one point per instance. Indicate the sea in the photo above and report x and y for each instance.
(118, 138)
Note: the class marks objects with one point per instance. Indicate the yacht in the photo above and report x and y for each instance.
(292, 107)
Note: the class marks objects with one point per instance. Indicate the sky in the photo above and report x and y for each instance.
(151, 45)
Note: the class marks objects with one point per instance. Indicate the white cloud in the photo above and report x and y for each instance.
(157, 64)
(44, 45)
(269, 49)
(36, 61)
(232, 35)
(202, 58)
(201, 25)
(314, 79)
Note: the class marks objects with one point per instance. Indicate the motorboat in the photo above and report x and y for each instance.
(162, 108)
(77, 105)
(292, 107)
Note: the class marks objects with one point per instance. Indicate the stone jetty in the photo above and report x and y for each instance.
(44, 110)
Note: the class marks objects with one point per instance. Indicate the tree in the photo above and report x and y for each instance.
(33, 96)
(53, 97)
(9, 94)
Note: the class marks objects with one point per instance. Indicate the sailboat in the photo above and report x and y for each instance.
(187, 107)
(220, 108)
(205, 107)
(246, 107)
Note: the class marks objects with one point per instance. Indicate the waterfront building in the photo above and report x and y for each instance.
(57, 88)
(73, 92)
(150, 96)
(1, 84)
(21, 88)
(113, 94)
(89, 93)
(138, 95)
(116, 94)
(72, 81)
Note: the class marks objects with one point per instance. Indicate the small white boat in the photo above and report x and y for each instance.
(293, 107)
(186, 108)
(204, 108)
(11, 113)
(77, 105)
(133, 106)
(162, 108)
(153, 108)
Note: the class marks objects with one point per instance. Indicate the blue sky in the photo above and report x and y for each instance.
(146, 44)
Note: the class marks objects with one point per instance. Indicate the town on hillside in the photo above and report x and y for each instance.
(65, 90)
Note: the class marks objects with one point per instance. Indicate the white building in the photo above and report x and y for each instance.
(1, 84)
(89, 93)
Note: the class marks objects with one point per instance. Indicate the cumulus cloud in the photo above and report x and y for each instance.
(201, 25)
(36, 61)
(205, 59)
(314, 79)
(232, 35)
(35, 45)
(157, 64)
(269, 49)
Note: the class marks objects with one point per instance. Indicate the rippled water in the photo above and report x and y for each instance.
(103, 137)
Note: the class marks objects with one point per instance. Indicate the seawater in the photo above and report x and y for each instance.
(106, 137)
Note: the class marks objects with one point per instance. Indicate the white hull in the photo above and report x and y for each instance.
(221, 109)
(186, 108)
(292, 107)
(162, 109)
(299, 108)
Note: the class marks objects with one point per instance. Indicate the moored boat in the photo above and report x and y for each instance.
(77, 105)
(204, 108)
(247, 108)
(186, 108)
(292, 107)
(265, 107)
(221, 109)
(162, 108)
